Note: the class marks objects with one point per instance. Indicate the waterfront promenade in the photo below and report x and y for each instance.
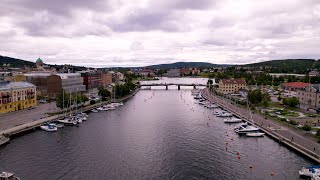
(20, 121)
(291, 137)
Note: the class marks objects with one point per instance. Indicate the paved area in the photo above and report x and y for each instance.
(13, 119)
(296, 137)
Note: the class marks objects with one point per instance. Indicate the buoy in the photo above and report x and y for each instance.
(272, 173)
(58, 140)
(250, 166)
(226, 143)
(227, 134)
(238, 153)
(231, 139)
(238, 157)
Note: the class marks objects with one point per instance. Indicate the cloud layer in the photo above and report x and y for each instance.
(142, 32)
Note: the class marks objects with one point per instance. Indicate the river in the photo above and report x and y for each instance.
(157, 134)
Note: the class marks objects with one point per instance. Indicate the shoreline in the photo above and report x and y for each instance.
(32, 125)
(298, 147)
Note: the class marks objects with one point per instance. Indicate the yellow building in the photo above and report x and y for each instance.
(231, 86)
(16, 96)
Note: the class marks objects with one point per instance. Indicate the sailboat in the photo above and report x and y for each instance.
(71, 120)
(253, 131)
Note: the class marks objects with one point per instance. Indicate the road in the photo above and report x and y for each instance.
(12, 119)
(297, 137)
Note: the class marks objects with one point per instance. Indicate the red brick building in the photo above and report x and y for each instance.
(92, 79)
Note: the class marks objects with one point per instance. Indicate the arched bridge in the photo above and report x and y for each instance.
(172, 84)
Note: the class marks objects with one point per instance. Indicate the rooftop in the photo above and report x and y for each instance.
(233, 81)
(296, 84)
(15, 85)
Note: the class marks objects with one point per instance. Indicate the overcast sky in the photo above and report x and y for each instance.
(101, 33)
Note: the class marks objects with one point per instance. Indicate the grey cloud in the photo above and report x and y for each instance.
(193, 4)
(145, 20)
(60, 7)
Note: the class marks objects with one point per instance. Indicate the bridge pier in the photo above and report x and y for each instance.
(194, 86)
(166, 87)
(178, 87)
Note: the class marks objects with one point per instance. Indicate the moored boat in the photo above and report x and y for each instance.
(244, 129)
(4, 140)
(49, 127)
(232, 120)
(309, 171)
(211, 106)
(102, 108)
(68, 121)
(8, 176)
(255, 134)
(95, 110)
(225, 114)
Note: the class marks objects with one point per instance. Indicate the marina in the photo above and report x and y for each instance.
(139, 139)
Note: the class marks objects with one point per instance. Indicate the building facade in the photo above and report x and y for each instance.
(92, 79)
(106, 79)
(68, 82)
(310, 95)
(40, 80)
(231, 86)
(50, 85)
(17, 96)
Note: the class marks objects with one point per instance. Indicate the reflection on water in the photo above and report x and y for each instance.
(157, 134)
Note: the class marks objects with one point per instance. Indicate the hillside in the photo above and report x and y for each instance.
(183, 64)
(17, 63)
(299, 66)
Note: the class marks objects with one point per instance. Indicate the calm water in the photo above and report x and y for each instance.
(157, 134)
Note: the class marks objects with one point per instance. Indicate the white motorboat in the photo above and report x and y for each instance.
(232, 120)
(49, 127)
(211, 106)
(102, 108)
(68, 121)
(255, 134)
(203, 103)
(216, 113)
(109, 106)
(8, 176)
(82, 117)
(4, 140)
(225, 114)
(95, 110)
(244, 129)
(310, 171)
(239, 125)
(83, 114)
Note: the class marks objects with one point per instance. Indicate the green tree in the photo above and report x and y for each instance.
(292, 102)
(104, 92)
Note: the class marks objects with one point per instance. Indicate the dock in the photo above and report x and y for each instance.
(294, 139)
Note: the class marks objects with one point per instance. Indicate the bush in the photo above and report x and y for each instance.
(306, 127)
(92, 102)
(293, 122)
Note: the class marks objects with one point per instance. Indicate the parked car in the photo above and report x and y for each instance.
(42, 101)
(32, 107)
(318, 110)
